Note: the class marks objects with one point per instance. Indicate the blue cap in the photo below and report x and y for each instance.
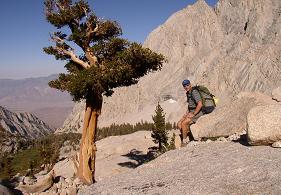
(185, 82)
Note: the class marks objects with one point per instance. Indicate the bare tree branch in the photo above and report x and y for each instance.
(56, 39)
(85, 11)
(69, 52)
(89, 54)
(74, 58)
(60, 6)
(90, 30)
(91, 57)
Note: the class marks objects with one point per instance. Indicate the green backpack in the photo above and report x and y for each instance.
(207, 98)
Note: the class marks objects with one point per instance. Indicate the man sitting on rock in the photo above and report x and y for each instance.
(195, 104)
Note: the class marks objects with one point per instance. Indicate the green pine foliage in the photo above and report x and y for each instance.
(126, 128)
(35, 153)
(6, 167)
(159, 133)
(168, 126)
(106, 62)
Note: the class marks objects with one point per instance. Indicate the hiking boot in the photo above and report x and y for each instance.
(184, 142)
(183, 145)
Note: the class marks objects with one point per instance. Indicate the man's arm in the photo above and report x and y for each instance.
(197, 98)
(197, 110)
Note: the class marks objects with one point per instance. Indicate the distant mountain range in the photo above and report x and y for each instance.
(35, 96)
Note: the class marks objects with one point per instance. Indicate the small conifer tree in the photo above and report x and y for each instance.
(159, 132)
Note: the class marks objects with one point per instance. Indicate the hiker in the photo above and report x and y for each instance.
(196, 108)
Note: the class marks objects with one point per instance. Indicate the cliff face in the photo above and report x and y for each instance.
(232, 48)
(23, 124)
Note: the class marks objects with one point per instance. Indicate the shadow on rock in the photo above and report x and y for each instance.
(7, 187)
(138, 157)
(242, 140)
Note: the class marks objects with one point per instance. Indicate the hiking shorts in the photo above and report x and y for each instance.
(196, 117)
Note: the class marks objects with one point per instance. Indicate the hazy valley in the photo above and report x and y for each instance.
(35, 96)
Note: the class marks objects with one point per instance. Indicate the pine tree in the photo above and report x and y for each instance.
(106, 61)
(159, 132)
(7, 169)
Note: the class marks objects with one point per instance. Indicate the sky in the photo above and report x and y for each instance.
(24, 30)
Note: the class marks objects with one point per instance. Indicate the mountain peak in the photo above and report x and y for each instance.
(200, 3)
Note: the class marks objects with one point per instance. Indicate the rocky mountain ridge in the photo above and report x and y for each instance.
(232, 48)
(24, 125)
(8, 142)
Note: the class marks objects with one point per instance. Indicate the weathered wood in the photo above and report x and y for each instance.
(87, 153)
(40, 186)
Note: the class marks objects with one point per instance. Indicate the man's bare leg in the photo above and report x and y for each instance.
(180, 125)
(185, 127)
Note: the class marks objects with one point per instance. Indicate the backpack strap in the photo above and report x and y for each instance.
(192, 97)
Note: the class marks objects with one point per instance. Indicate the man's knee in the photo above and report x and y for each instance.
(187, 121)
(179, 124)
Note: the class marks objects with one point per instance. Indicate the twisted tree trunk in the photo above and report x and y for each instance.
(87, 154)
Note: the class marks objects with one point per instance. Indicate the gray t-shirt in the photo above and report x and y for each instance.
(193, 99)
